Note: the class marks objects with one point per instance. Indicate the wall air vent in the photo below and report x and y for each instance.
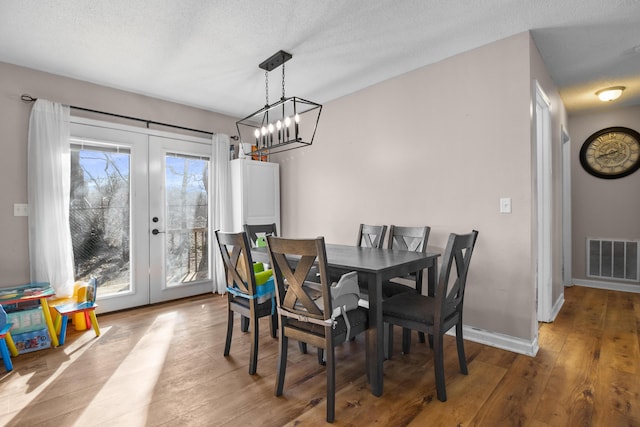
(613, 259)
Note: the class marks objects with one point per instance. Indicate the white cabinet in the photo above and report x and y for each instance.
(255, 193)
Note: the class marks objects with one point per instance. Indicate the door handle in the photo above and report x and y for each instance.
(156, 231)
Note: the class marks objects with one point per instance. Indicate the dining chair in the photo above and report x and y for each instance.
(305, 308)
(261, 231)
(435, 315)
(371, 236)
(249, 294)
(407, 239)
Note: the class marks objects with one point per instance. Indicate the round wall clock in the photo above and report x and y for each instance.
(611, 153)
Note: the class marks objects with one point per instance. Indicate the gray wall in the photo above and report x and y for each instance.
(438, 146)
(602, 208)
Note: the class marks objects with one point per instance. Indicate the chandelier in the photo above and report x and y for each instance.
(284, 125)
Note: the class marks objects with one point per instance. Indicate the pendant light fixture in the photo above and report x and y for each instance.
(284, 125)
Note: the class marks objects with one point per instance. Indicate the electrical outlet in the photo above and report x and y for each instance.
(20, 209)
(505, 205)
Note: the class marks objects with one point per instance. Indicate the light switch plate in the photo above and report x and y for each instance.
(505, 205)
(20, 209)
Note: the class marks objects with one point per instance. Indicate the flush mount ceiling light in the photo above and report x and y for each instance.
(284, 125)
(610, 93)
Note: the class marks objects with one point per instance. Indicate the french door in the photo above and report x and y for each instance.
(179, 207)
(139, 213)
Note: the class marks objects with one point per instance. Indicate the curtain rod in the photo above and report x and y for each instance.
(29, 98)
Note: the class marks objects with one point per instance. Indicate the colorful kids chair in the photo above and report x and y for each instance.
(6, 342)
(85, 303)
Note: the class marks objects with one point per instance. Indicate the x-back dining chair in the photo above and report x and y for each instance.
(435, 315)
(244, 293)
(303, 314)
(261, 231)
(406, 239)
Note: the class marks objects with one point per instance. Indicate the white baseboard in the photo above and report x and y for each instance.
(612, 286)
(554, 310)
(557, 306)
(494, 339)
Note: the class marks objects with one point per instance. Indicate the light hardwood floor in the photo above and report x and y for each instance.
(163, 366)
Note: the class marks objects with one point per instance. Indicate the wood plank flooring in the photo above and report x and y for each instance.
(163, 366)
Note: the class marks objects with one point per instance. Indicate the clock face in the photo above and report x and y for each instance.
(611, 153)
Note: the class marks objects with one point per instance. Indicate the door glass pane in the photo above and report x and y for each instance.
(99, 216)
(187, 213)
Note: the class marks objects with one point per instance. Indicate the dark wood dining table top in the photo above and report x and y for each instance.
(373, 260)
(365, 260)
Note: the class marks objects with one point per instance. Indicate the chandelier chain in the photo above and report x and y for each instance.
(266, 87)
(282, 81)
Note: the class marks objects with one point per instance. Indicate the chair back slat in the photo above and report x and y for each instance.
(371, 236)
(450, 288)
(236, 257)
(409, 238)
(92, 290)
(255, 231)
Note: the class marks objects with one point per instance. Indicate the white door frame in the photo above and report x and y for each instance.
(567, 279)
(544, 196)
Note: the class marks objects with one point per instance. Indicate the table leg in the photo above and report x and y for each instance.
(47, 318)
(11, 345)
(375, 335)
(432, 277)
(432, 282)
(94, 322)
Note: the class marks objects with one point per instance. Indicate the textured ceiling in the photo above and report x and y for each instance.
(205, 53)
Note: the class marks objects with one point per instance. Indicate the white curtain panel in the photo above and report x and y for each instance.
(50, 248)
(221, 201)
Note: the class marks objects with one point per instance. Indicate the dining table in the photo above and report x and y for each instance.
(374, 266)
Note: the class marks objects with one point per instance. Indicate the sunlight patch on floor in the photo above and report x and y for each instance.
(131, 387)
(73, 350)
